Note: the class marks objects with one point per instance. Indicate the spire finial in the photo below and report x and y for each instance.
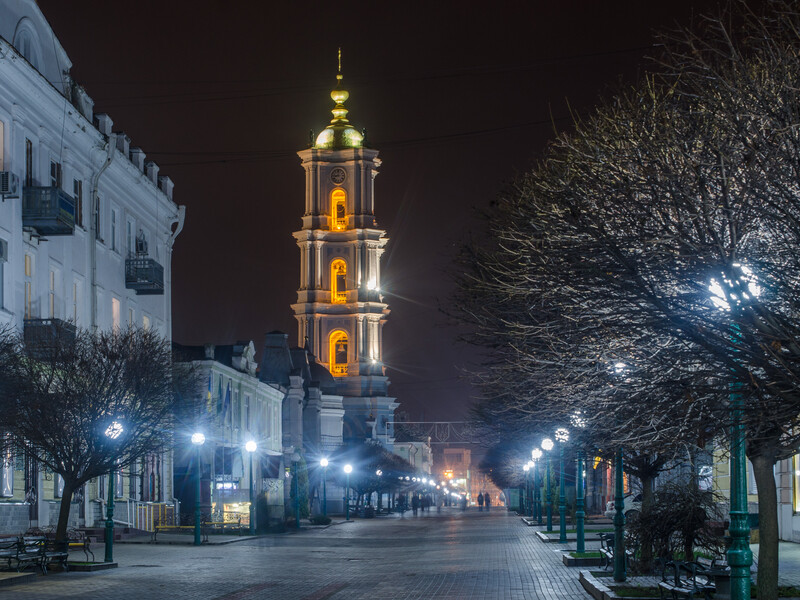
(340, 60)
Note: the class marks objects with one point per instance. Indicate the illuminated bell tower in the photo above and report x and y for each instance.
(340, 309)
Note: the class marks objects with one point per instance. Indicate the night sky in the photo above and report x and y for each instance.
(459, 97)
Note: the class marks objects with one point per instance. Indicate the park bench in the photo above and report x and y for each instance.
(8, 549)
(222, 526)
(177, 529)
(76, 540)
(685, 580)
(607, 550)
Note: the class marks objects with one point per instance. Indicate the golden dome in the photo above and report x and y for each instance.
(339, 134)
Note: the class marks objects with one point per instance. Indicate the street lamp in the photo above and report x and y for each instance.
(198, 439)
(547, 445)
(348, 468)
(536, 455)
(739, 555)
(112, 432)
(526, 468)
(324, 464)
(562, 436)
(379, 473)
(580, 515)
(251, 446)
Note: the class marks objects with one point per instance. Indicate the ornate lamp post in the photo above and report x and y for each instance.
(348, 468)
(251, 446)
(562, 436)
(324, 464)
(112, 432)
(580, 515)
(526, 502)
(198, 439)
(739, 555)
(536, 455)
(379, 474)
(531, 491)
(547, 445)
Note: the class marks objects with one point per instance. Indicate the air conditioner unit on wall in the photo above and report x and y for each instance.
(8, 184)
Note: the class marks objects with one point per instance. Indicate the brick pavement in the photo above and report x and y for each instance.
(452, 556)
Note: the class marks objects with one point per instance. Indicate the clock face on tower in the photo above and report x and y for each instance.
(338, 175)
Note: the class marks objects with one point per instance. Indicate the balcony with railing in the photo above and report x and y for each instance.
(48, 210)
(144, 275)
(48, 333)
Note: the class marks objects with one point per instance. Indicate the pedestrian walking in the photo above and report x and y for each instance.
(480, 502)
(415, 503)
(464, 502)
(487, 500)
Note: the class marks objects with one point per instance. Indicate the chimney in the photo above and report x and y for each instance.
(166, 185)
(152, 171)
(123, 143)
(103, 123)
(137, 158)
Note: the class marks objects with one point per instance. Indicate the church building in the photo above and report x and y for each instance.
(340, 310)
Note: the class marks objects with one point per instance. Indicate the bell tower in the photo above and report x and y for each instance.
(339, 308)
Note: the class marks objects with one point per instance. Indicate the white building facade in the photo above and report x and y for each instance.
(87, 227)
(237, 408)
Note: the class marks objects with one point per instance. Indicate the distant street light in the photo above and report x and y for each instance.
(547, 445)
(251, 447)
(198, 439)
(112, 432)
(347, 469)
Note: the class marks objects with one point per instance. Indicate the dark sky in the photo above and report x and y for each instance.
(457, 96)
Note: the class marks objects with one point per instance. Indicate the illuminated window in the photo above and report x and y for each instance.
(338, 216)
(115, 313)
(338, 281)
(338, 353)
(796, 481)
(28, 286)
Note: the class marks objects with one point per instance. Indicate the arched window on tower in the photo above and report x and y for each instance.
(338, 214)
(338, 281)
(338, 353)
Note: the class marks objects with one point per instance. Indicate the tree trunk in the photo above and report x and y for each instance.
(763, 466)
(63, 514)
(647, 539)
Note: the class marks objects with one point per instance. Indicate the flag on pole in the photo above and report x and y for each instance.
(208, 395)
(219, 396)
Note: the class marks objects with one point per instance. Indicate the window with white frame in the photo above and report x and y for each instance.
(77, 193)
(114, 233)
(131, 317)
(28, 286)
(28, 162)
(796, 482)
(51, 294)
(130, 238)
(55, 174)
(76, 301)
(115, 313)
(145, 322)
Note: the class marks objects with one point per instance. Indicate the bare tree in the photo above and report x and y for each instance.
(88, 404)
(661, 235)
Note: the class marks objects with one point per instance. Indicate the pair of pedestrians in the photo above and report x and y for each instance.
(484, 499)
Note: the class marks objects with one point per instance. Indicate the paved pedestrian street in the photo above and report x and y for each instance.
(453, 555)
